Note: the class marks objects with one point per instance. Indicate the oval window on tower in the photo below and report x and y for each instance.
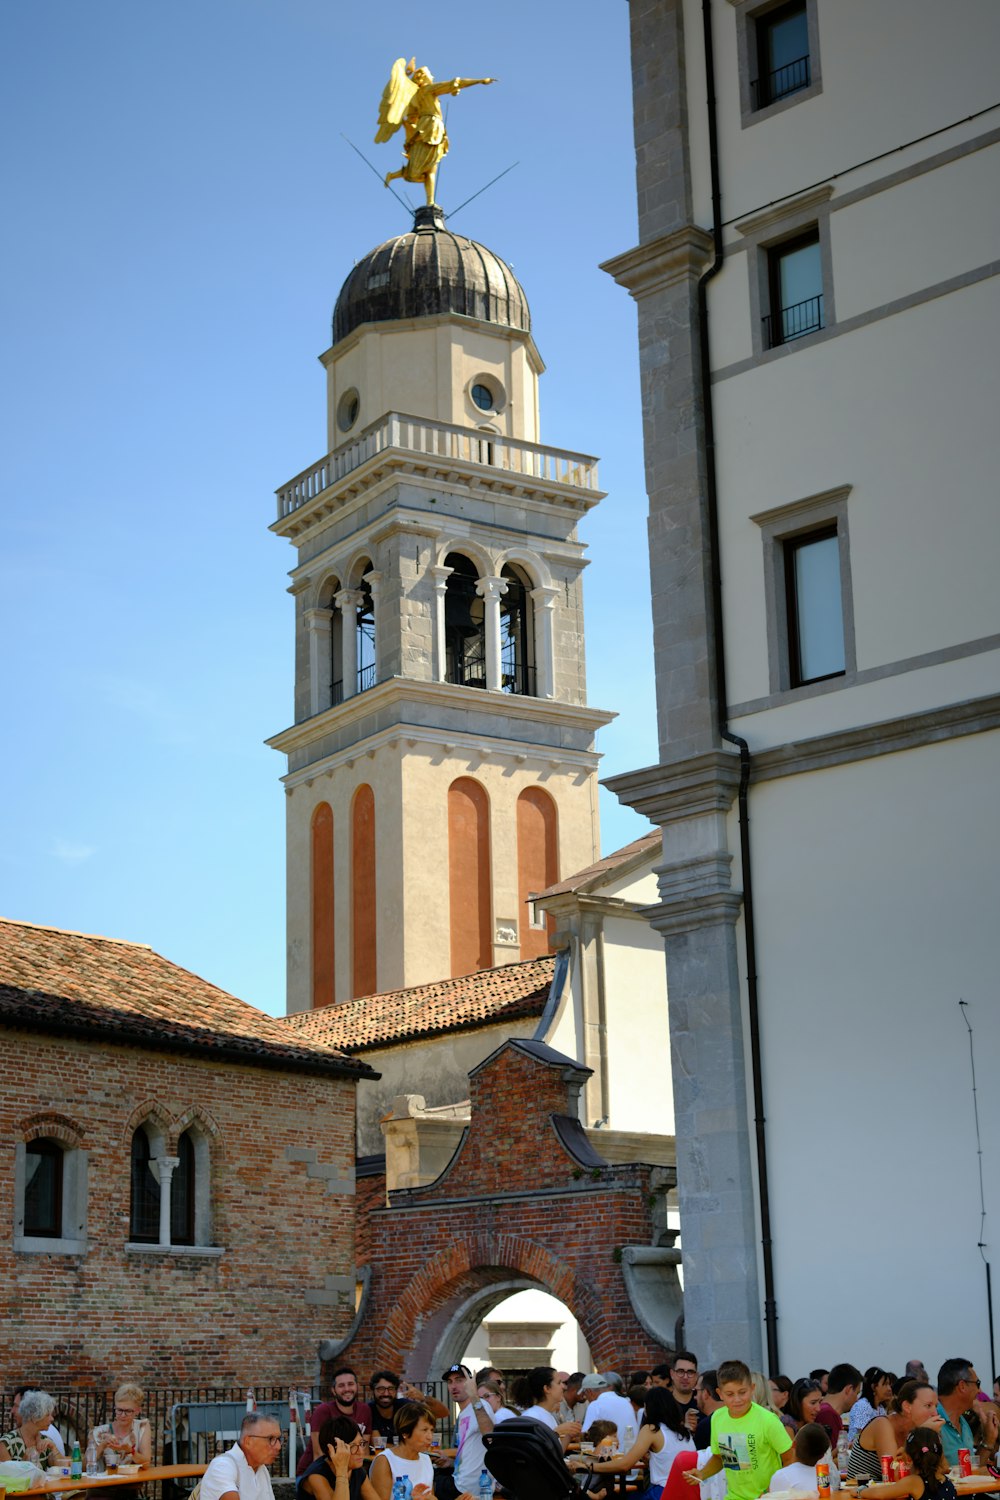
(482, 396)
(347, 409)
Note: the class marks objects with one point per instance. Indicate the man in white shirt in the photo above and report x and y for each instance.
(475, 1417)
(611, 1406)
(241, 1473)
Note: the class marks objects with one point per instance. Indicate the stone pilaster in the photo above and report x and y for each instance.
(318, 624)
(689, 794)
(491, 590)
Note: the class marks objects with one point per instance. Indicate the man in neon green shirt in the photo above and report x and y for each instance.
(751, 1444)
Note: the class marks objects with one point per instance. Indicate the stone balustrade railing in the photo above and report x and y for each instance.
(440, 440)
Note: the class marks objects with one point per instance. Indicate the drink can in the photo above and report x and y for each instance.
(823, 1481)
(886, 1468)
(964, 1462)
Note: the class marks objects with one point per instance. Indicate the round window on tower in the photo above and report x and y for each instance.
(486, 394)
(347, 409)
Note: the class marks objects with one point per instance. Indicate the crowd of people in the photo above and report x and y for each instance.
(730, 1430)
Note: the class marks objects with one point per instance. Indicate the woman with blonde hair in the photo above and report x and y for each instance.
(127, 1436)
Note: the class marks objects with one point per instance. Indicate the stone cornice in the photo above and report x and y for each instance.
(445, 695)
(419, 325)
(681, 256)
(569, 903)
(684, 789)
(674, 918)
(786, 208)
(887, 737)
(393, 464)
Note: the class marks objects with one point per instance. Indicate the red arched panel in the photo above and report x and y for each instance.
(537, 865)
(469, 876)
(322, 906)
(363, 933)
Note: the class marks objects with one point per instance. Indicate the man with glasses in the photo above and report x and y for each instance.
(683, 1383)
(241, 1472)
(958, 1388)
(387, 1401)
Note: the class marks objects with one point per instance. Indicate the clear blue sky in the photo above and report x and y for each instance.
(181, 211)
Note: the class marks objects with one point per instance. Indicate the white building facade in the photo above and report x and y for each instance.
(824, 550)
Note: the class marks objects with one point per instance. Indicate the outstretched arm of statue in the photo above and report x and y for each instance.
(454, 84)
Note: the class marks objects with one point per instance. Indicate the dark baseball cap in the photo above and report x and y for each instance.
(457, 1370)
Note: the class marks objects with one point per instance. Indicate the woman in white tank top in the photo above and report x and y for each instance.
(662, 1436)
(406, 1472)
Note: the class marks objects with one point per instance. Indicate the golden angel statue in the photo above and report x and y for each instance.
(411, 99)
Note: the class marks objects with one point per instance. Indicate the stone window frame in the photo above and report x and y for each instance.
(75, 1163)
(793, 522)
(164, 1136)
(748, 13)
(768, 230)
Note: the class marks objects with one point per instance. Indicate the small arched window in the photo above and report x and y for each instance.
(464, 624)
(517, 654)
(43, 1188)
(144, 1209)
(182, 1193)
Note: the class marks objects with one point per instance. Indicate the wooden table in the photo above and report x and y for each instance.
(101, 1481)
(976, 1484)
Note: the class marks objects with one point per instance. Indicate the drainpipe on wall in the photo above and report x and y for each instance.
(770, 1309)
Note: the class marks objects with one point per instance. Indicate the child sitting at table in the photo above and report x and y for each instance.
(928, 1478)
(812, 1447)
(601, 1435)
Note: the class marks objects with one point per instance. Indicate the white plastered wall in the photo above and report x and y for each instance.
(876, 912)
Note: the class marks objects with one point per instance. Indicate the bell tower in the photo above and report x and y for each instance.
(442, 763)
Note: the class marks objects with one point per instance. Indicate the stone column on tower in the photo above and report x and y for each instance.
(491, 591)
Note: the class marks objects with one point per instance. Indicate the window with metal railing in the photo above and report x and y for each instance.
(783, 62)
(517, 664)
(795, 289)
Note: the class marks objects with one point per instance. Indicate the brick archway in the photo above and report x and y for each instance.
(491, 1265)
(524, 1202)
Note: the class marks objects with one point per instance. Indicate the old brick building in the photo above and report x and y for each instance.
(178, 1178)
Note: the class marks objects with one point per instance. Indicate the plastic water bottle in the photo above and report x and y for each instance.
(401, 1489)
(485, 1485)
(92, 1469)
(75, 1463)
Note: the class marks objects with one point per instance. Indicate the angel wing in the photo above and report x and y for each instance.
(395, 98)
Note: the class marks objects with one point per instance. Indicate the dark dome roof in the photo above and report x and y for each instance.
(428, 271)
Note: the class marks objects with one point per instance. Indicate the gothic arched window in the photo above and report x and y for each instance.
(144, 1209)
(517, 654)
(464, 624)
(182, 1193)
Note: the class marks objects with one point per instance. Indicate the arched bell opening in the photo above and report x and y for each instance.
(464, 624)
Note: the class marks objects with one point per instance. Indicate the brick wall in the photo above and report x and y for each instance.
(282, 1159)
(513, 1201)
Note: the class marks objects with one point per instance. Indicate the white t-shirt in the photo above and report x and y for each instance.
(796, 1476)
(230, 1471)
(610, 1407)
(541, 1414)
(504, 1413)
(470, 1455)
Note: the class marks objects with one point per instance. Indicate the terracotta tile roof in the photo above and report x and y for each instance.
(101, 989)
(608, 867)
(482, 999)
